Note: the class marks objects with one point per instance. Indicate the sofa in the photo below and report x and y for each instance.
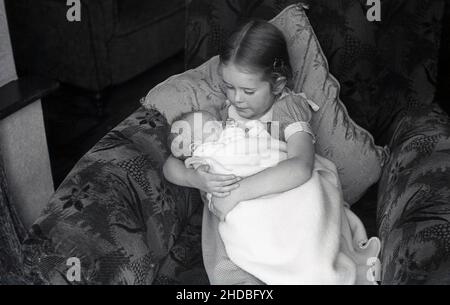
(128, 225)
(113, 41)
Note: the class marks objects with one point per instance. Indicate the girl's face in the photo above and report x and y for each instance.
(248, 92)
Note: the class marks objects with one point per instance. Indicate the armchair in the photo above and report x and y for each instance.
(119, 216)
(414, 199)
(127, 224)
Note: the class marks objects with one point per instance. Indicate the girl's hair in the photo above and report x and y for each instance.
(258, 46)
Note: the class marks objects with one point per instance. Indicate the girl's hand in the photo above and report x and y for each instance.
(221, 206)
(216, 184)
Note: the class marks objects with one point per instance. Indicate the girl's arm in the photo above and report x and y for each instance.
(175, 172)
(218, 185)
(288, 174)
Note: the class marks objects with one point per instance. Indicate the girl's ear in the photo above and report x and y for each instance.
(279, 85)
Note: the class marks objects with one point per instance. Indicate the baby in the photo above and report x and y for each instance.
(228, 147)
(190, 129)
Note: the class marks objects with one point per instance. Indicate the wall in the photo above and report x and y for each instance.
(23, 144)
(8, 69)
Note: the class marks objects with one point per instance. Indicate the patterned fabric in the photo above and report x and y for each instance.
(414, 200)
(117, 214)
(381, 66)
(338, 138)
(11, 235)
(384, 65)
(442, 88)
(210, 22)
(195, 89)
(293, 114)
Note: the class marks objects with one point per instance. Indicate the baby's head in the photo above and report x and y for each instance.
(191, 129)
(255, 67)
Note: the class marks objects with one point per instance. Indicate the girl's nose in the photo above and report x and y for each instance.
(237, 97)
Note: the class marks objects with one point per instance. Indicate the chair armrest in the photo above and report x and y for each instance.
(414, 200)
(21, 92)
(115, 211)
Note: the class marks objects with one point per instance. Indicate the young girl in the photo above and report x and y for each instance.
(256, 74)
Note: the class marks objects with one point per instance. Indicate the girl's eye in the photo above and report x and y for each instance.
(249, 92)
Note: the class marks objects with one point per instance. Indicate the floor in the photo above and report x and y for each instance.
(73, 123)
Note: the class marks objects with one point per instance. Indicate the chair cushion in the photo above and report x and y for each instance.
(339, 138)
(115, 211)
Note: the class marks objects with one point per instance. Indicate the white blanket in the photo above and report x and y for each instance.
(302, 236)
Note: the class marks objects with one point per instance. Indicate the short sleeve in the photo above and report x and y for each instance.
(293, 113)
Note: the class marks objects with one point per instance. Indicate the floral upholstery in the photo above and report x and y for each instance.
(12, 232)
(414, 200)
(117, 214)
(384, 65)
(210, 22)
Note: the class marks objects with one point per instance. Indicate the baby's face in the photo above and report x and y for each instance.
(197, 128)
(210, 128)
